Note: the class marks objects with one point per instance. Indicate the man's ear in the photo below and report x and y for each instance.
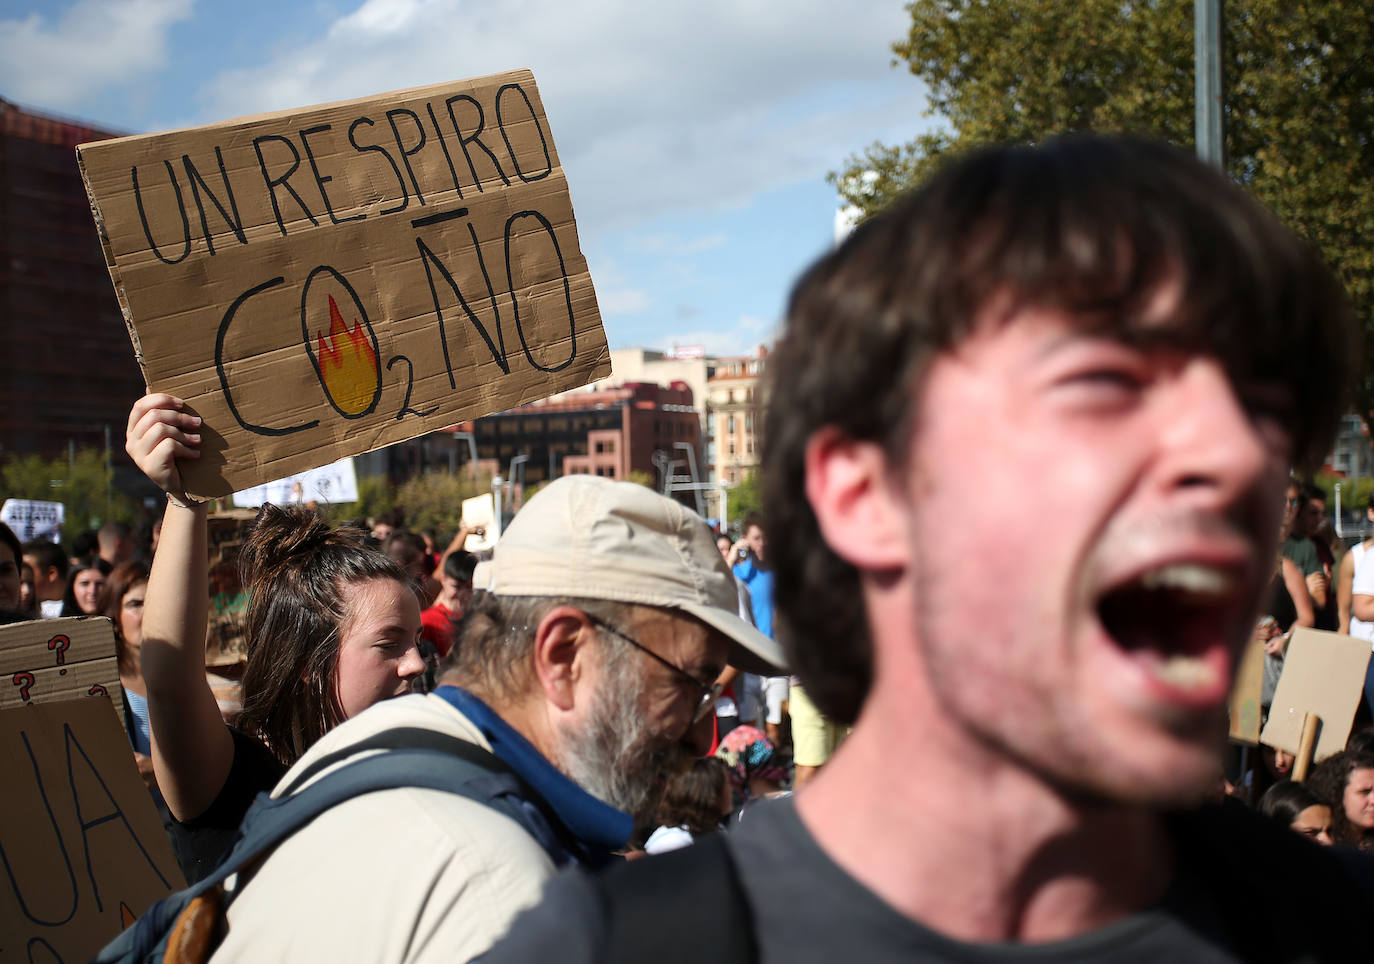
(860, 507)
(561, 652)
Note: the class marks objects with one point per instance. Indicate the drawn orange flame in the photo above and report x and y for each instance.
(349, 371)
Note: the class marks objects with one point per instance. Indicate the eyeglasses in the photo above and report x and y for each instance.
(708, 691)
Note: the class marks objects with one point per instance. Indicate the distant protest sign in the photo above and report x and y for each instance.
(330, 484)
(82, 845)
(1323, 674)
(34, 520)
(49, 660)
(1243, 708)
(323, 282)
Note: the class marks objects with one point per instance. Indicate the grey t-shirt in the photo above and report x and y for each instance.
(805, 908)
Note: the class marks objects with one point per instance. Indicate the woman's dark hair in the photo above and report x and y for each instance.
(70, 607)
(692, 798)
(1329, 780)
(1092, 226)
(294, 567)
(1286, 799)
(122, 578)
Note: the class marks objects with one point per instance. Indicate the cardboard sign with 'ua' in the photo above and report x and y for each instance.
(323, 282)
(82, 845)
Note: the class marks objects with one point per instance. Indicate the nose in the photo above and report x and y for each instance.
(700, 735)
(411, 665)
(1214, 444)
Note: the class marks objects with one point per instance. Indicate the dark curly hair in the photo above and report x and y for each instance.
(295, 567)
(1329, 781)
(1089, 225)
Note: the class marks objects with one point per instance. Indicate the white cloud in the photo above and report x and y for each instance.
(655, 108)
(620, 301)
(92, 44)
(743, 338)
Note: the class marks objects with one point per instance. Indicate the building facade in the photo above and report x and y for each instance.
(733, 400)
(70, 373)
(636, 428)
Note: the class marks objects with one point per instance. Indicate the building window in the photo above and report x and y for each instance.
(730, 449)
(730, 425)
(749, 422)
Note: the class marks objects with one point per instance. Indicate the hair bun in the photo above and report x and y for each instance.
(286, 536)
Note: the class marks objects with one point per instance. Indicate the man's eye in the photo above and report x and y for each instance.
(1110, 378)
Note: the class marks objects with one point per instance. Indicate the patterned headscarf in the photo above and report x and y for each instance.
(749, 753)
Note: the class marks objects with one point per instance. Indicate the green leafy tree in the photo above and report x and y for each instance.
(82, 483)
(1299, 92)
(376, 496)
(743, 498)
(434, 500)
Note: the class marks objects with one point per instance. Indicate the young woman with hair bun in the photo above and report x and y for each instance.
(331, 629)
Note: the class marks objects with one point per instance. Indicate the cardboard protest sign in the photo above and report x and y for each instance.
(49, 660)
(1323, 674)
(34, 520)
(82, 845)
(1244, 704)
(323, 282)
(328, 485)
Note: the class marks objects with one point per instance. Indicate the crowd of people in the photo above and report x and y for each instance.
(961, 688)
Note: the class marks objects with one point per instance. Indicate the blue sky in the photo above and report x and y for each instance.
(695, 136)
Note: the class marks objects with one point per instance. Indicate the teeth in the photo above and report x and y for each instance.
(1184, 672)
(1191, 577)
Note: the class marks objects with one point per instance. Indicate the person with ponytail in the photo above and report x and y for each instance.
(331, 629)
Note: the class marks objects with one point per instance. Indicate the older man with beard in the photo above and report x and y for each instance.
(586, 667)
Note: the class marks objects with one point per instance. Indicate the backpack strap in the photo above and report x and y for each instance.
(445, 763)
(688, 905)
(400, 738)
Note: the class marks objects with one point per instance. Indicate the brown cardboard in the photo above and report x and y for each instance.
(83, 847)
(1323, 673)
(1244, 705)
(48, 660)
(323, 282)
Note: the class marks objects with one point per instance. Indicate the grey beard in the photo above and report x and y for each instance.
(610, 757)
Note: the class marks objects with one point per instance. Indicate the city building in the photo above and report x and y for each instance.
(70, 373)
(733, 403)
(637, 428)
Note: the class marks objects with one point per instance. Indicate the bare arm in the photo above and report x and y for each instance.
(1345, 583)
(192, 749)
(1302, 601)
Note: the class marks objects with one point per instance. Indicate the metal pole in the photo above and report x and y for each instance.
(1208, 93)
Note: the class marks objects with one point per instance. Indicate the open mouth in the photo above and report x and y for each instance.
(1175, 621)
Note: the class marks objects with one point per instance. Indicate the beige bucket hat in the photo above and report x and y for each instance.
(587, 536)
